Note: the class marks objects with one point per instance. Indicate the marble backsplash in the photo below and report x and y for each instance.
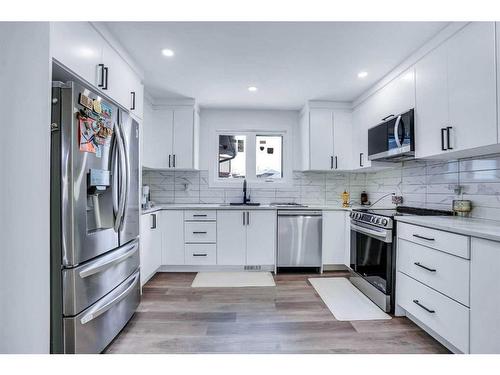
(431, 184)
(434, 184)
(311, 188)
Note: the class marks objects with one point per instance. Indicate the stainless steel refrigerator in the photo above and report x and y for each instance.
(95, 286)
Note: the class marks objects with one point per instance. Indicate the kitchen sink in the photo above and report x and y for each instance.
(244, 204)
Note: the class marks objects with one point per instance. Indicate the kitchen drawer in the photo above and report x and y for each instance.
(203, 232)
(87, 283)
(94, 328)
(200, 215)
(452, 243)
(200, 254)
(446, 317)
(446, 273)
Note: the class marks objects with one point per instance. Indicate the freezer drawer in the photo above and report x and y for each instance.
(84, 285)
(299, 240)
(94, 328)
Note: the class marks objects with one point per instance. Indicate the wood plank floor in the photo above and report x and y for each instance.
(288, 318)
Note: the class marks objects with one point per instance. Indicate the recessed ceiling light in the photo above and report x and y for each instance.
(362, 74)
(167, 52)
(252, 88)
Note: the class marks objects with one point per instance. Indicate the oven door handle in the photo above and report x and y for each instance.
(373, 233)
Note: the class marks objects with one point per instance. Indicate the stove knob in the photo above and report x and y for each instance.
(385, 222)
(376, 221)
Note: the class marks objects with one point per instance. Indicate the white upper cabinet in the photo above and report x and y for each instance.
(171, 139)
(456, 93)
(157, 139)
(321, 149)
(342, 133)
(359, 141)
(82, 49)
(183, 139)
(78, 46)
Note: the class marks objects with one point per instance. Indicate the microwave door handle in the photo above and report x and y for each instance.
(396, 131)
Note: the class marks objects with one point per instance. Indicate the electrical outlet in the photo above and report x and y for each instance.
(397, 199)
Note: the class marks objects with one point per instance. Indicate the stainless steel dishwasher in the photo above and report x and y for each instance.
(299, 238)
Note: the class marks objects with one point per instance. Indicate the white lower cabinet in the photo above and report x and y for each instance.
(335, 248)
(261, 238)
(200, 254)
(484, 297)
(457, 298)
(443, 315)
(173, 237)
(150, 245)
(246, 237)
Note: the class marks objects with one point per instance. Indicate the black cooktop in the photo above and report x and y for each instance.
(405, 210)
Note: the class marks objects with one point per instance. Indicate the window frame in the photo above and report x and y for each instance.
(250, 164)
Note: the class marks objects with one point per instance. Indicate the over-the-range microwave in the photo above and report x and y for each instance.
(393, 139)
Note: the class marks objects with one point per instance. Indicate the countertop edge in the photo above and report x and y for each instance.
(472, 227)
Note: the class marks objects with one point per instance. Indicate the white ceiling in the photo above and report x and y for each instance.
(289, 62)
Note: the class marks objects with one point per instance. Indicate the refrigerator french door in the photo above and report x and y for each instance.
(94, 219)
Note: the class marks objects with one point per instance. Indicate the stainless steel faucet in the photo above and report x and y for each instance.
(245, 199)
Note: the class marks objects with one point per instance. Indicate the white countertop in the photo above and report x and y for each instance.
(225, 206)
(488, 229)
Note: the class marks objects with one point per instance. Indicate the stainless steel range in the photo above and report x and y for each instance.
(373, 251)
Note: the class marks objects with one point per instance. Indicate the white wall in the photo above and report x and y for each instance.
(24, 188)
(211, 119)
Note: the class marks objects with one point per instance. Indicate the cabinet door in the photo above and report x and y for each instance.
(119, 78)
(172, 228)
(261, 238)
(183, 145)
(157, 139)
(231, 238)
(472, 86)
(484, 297)
(431, 113)
(342, 128)
(145, 247)
(78, 46)
(334, 237)
(360, 127)
(320, 139)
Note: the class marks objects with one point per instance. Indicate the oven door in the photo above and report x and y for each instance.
(371, 255)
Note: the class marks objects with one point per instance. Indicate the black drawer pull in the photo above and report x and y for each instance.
(443, 130)
(199, 232)
(196, 215)
(415, 301)
(200, 255)
(423, 238)
(424, 267)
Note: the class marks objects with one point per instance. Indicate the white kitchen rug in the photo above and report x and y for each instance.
(232, 279)
(345, 301)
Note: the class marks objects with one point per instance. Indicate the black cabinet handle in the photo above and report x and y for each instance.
(424, 267)
(101, 83)
(169, 163)
(336, 163)
(105, 86)
(133, 100)
(200, 255)
(360, 159)
(423, 238)
(331, 162)
(199, 215)
(199, 232)
(154, 221)
(442, 139)
(448, 128)
(387, 117)
(415, 301)
(174, 160)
